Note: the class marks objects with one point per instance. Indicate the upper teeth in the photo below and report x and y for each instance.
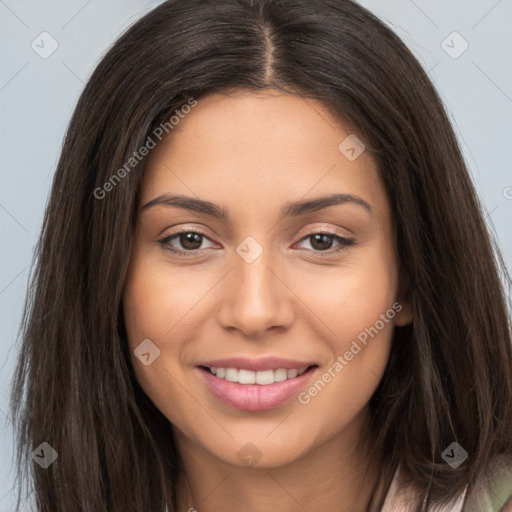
(250, 377)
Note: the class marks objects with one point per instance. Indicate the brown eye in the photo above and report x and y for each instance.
(323, 242)
(190, 241)
(183, 243)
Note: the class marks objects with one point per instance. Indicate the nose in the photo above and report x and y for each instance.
(255, 298)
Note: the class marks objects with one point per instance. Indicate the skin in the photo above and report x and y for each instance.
(251, 153)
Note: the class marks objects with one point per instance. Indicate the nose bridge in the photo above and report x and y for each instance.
(256, 299)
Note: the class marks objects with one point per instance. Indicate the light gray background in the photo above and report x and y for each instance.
(37, 97)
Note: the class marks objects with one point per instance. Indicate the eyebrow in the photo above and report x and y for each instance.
(289, 209)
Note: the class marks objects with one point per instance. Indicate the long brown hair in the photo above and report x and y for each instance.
(449, 376)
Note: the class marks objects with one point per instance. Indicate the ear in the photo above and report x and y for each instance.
(404, 314)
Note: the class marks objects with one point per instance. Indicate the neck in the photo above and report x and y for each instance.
(336, 476)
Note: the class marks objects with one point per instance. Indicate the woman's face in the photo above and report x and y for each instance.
(258, 289)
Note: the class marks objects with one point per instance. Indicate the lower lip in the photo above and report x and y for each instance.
(254, 397)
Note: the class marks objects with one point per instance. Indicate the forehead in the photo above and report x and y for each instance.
(257, 147)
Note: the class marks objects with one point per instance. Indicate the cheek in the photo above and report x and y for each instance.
(357, 306)
(163, 304)
(352, 296)
(155, 308)
(159, 300)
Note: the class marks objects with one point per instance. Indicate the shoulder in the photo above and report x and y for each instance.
(492, 494)
(494, 490)
(402, 498)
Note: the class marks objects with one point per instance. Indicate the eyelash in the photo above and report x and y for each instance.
(345, 243)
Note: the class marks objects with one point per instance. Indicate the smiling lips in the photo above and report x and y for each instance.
(255, 385)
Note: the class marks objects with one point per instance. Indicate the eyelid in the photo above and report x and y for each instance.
(328, 229)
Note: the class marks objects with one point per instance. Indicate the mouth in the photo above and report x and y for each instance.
(255, 390)
(261, 378)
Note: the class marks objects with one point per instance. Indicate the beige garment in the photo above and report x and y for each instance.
(495, 495)
(403, 500)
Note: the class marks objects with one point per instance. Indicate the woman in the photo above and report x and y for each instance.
(264, 281)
